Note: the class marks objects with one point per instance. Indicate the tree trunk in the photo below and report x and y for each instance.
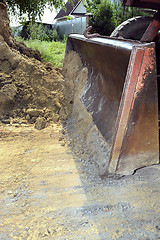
(5, 32)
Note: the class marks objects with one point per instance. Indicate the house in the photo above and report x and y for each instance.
(72, 20)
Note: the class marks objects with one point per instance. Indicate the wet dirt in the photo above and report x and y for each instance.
(47, 192)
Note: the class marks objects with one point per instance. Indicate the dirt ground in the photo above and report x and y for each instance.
(49, 174)
(47, 192)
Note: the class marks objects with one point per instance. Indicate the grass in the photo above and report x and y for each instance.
(51, 51)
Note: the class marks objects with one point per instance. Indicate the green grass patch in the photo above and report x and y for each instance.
(51, 51)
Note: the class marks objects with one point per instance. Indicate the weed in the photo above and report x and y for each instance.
(51, 51)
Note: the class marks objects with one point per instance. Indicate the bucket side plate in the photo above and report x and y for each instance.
(107, 66)
(136, 141)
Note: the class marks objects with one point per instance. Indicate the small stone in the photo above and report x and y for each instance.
(49, 65)
(15, 121)
(5, 121)
(1, 38)
(34, 112)
(57, 104)
(55, 118)
(8, 92)
(40, 123)
(63, 131)
(17, 125)
(28, 117)
(53, 93)
(61, 138)
(33, 120)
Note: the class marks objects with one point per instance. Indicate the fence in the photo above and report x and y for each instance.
(76, 25)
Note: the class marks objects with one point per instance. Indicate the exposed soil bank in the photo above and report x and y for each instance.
(29, 89)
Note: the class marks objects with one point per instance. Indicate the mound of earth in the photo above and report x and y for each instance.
(30, 91)
(5, 31)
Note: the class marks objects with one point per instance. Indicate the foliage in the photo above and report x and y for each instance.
(69, 17)
(50, 51)
(102, 19)
(33, 8)
(15, 31)
(107, 14)
(121, 14)
(39, 31)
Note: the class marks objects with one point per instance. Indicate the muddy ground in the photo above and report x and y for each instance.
(47, 192)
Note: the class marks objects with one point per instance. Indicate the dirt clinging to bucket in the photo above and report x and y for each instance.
(85, 138)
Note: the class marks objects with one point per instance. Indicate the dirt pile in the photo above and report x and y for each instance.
(30, 91)
(5, 31)
(86, 139)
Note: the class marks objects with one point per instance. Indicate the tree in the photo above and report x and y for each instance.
(102, 19)
(121, 14)
(108, 14)
(33, 8)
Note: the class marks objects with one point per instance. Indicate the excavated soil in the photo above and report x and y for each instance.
(30, 91)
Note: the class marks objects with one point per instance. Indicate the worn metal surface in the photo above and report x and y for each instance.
(151, 32)
(135, 142)
(121, 95)
(87, 34)
(152, 29)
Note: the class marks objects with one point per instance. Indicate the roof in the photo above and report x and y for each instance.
(69, 7)
(79, 9)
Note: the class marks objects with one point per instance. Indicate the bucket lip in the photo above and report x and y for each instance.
(112, 41)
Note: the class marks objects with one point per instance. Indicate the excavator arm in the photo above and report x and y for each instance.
(152, 4)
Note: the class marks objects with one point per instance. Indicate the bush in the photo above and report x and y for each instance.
(102, 19)
(107, 14)
(38, 31)
(120, 15)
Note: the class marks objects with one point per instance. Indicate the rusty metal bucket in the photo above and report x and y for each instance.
(121, 95)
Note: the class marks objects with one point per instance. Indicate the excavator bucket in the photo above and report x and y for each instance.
(121, 95)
